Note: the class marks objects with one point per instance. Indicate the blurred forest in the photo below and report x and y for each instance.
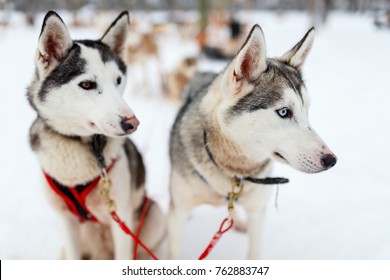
(42, 5)
(318, 9)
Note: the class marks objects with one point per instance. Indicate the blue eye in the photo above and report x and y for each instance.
(284, 113)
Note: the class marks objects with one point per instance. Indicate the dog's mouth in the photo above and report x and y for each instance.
(278, 155)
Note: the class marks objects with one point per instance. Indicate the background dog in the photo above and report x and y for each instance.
(77, 94)
(233, 125)
(179, 78)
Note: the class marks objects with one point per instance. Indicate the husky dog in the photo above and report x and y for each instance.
(77, 94)
(179, 78)
(233, 125)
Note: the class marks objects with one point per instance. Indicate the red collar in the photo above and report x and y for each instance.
(75, 196)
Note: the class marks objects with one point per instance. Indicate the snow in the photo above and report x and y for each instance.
(340, 214)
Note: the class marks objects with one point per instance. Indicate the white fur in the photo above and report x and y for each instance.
(72, 163)
(295, 139)
(96, 111)
(263, 132)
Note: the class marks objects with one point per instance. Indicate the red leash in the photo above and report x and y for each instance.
(105, 186)
(226, 225)
(222, 229)
(136, 236)
(236, 191)
(216, 237)
(126, 230)
(145, 209)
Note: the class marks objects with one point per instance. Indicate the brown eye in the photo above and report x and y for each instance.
(118, 80)
(88, 85)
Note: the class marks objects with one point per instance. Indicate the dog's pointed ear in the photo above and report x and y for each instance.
(250, 61)
(115, 36)
(297, 55)
(54, 41)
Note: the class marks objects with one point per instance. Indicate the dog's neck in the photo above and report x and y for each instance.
(69, 159)
(228, 156)
(96, 142)
(224, 151)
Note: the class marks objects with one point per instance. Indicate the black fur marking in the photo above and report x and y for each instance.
(269, 88)
(69, 68)
(254, 101)
(209, 153)
(294, 79)
(105, 52)
(35, 141)
(98, 143)
(136, 165)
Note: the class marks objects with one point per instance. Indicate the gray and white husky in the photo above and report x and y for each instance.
(233, 125)
(77, 93)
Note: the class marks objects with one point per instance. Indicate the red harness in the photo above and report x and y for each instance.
(75, 196)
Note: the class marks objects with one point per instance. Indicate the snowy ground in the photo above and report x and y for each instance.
(340, 214)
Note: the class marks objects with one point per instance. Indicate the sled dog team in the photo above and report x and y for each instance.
(232, 126)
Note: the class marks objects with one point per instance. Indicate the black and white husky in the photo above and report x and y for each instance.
(233, 125)
(77, 94)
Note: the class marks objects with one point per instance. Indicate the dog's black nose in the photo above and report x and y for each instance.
(129, 124)
(328, 161)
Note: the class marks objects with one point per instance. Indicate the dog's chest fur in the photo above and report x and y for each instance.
(69, 160)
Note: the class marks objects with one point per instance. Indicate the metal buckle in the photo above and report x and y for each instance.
(105, 186)
(237, 189)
